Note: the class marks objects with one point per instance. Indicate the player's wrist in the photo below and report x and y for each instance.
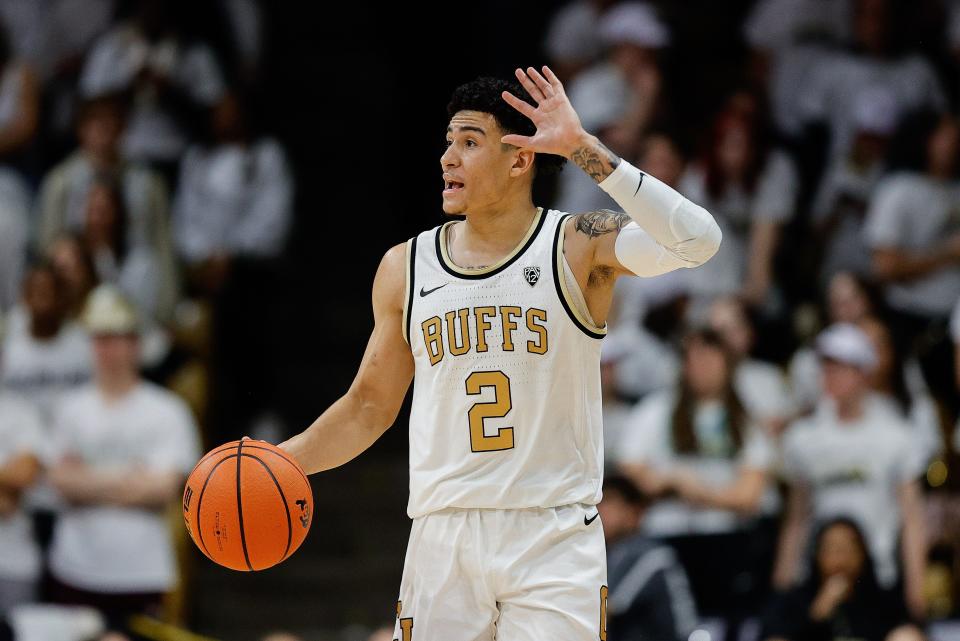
(579, 142)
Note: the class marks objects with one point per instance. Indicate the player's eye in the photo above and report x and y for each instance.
(471, 143)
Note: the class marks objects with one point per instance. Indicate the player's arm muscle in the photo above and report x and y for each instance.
(355, 421)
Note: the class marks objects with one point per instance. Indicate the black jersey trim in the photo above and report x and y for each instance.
(493, 272)
(557, 275)
(411, 267)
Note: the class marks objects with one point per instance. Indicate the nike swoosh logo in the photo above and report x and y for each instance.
(427, 292)
(593, 518)
(639, 184)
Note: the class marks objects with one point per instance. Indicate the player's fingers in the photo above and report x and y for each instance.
(522, 106)
(530, 86)
(517, 141)
(552, 78)
(541, 82)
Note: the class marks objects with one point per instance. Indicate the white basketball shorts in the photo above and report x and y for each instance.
(504, 575)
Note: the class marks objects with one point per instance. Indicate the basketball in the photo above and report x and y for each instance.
(247, 505)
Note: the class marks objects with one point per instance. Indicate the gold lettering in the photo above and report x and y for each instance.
(483, 324)
(433, 339)
(507, 314)
(539, 346)
(458, 340)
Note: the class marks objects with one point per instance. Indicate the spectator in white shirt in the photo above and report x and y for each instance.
(697, 447)
(620, 96)
(829, 93)
(64, 194)
(21, 440)
(855, 458)
(173, 80)
(912, 226)
(751, 189)
(573, 40)
(122, 448)
(44, 354)
(235, 197)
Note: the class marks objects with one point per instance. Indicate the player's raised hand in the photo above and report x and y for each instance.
(558, 126)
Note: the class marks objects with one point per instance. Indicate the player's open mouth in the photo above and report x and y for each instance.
(450, 186)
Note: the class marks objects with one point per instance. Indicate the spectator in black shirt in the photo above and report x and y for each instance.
(841, 599)
(649, 597)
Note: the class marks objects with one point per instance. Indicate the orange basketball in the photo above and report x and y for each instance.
(247, 505)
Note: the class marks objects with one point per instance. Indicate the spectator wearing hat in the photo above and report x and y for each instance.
(649, 596)
(21, 440)
(618, 97)
(854, 458)
(573, 40)
(121, 450)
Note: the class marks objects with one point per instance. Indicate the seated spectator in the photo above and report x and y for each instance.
(134, 270)
(44, 354)
(910, 226)
(76, 271)
(854, 457)
(21, 442)
(619, 97)
(173, 80)
(120, 453)
(235, 197)
(698, 448)
(65, 192)
(847, 186)
(573, 41)
(879, 58)
(841, 598)
(850, 298)
(649, 596)
(759, 384)
(751, 189)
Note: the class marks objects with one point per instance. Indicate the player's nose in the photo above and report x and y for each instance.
(449, 158)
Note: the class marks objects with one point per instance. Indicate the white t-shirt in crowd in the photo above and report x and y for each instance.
(233, 199)
(40, 372)
(572, 34)
(854, 470)
(114, 63)
(830, 92)
(20, 433)
(647, 439)
(914, 212)
(763, 390)
(773, 199)
(113, 549)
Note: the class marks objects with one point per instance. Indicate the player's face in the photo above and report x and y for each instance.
(477, 167)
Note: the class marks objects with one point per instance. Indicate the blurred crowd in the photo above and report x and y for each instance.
(780, 424)
(141, 208)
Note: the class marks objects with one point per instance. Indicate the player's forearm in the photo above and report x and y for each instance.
(680, 226)
(340, 434)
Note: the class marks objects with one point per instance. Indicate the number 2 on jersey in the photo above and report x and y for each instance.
(499, 407)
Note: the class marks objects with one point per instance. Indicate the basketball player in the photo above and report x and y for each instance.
(499, 318)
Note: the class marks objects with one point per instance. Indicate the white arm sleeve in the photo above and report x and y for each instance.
(670, 231)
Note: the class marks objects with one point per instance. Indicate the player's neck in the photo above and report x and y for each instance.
(495, 229)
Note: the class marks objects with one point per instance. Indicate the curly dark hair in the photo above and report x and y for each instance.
(485, 94)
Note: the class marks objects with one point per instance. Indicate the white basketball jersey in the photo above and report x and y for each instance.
(506, 400)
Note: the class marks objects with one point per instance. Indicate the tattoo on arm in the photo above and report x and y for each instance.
(598, 161)
(598, 223)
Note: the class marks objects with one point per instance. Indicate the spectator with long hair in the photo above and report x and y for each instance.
(840, 599)
(751, 187)
(698, 449)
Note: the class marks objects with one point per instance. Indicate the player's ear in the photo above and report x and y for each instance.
(522, 162)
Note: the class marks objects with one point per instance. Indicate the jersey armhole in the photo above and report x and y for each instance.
(560, 282)
(408, 292)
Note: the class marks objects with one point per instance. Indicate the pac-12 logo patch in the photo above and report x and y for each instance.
(531, 275)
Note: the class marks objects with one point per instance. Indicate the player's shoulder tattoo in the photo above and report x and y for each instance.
(600, 222)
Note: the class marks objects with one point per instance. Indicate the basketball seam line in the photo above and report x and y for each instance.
(243, 537)
(200, 502)
(282, 498)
